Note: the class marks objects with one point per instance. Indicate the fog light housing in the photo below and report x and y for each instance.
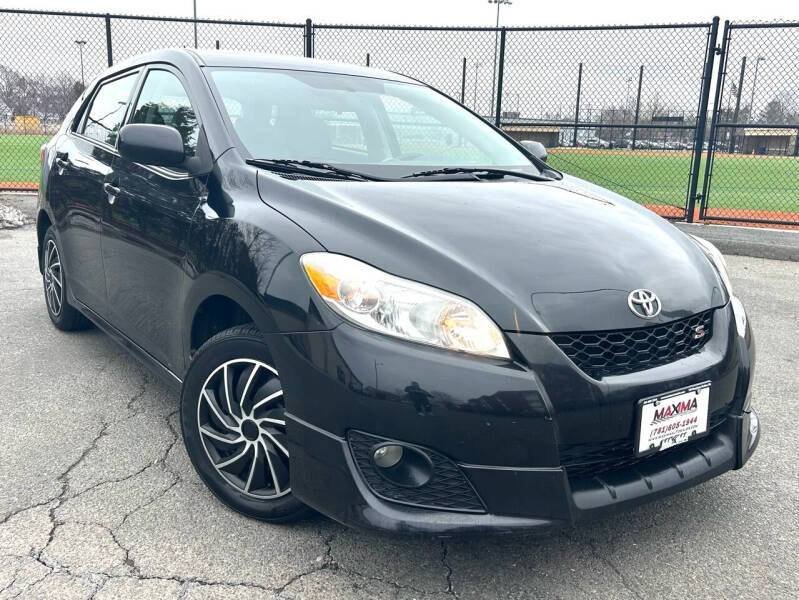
(402, 465)
(387, 456)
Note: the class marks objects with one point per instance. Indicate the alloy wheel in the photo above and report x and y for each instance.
(241, 420)
(53, 278)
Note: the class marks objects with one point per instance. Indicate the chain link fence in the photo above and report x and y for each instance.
(49, 57)
(623, 107)
(752, 172)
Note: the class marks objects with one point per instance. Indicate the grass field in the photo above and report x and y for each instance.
(657, 177)
(19, 158)
(763, 183)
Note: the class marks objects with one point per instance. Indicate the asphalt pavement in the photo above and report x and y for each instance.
(98, 499)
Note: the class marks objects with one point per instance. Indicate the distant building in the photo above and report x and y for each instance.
(549, 135)
(27, 125)
(757, 140)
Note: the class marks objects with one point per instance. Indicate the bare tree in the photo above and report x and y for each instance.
(783, 109)
(46, 97)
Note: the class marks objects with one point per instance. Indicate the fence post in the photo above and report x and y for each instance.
(463, 82)
(701, 120)
(638, 105)
(500, 77)
(308, 37)
(577, 106)
(733, 130)
(711, 140)
(108, 47)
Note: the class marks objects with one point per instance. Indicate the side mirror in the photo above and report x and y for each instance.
(536, 149)
(154, 145)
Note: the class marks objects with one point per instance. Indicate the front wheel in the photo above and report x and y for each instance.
(234, 426)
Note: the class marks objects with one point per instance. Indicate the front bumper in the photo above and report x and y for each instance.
(505, 426)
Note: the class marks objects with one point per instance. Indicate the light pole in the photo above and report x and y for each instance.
(758, 60)
(496, 43)
(477, 65)
(628, 104)
(81, 44)
(195, 24)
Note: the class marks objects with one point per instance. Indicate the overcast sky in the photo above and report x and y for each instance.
(442, 12)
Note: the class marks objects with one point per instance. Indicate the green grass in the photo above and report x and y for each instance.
(19, 157)
(661, 177)
(646, 176)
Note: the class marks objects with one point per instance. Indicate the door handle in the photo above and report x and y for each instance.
(112, 192)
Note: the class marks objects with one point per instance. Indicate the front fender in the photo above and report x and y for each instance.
(253, 259)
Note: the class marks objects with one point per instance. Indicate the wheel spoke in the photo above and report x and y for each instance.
(246, 389)
(232, 459)
(226, 386)
(275, 481)
(252, 468)
(216, 409)
(271, 421)
(275, 441)
(269, 398)
(220, 438)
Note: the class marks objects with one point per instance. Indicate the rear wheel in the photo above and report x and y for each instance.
(234, 426)
(63, 315)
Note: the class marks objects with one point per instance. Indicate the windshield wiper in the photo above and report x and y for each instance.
(308, 167)
(488, 172)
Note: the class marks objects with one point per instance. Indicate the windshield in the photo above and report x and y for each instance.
(373, 125)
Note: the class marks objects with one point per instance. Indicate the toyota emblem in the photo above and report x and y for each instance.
(644, 303)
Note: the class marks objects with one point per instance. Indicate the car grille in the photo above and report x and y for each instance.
(595, 458)
(448, 489)
(602, 353)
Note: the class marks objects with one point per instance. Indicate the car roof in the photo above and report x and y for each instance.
(222, 58)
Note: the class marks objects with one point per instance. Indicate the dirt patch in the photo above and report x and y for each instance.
(727, 216)
(19, 185)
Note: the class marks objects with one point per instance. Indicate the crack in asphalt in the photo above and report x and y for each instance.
(58, 500)
(447, 567)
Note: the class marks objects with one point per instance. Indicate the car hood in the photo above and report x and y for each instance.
(537, 257)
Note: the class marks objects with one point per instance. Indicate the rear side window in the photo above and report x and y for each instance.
(163, 101)
(107, 111)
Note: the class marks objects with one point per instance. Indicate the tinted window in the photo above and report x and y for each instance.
(108, 109)
(163, 101)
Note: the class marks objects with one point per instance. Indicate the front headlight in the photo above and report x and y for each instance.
(739, 313)
(717, 259)
(401, 308)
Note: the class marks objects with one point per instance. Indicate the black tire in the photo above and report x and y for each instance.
(257, 483)
(63, 315)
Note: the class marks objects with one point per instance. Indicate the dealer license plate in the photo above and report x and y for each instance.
(671, 419)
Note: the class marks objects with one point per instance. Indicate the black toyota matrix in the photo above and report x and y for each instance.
(379, 306)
